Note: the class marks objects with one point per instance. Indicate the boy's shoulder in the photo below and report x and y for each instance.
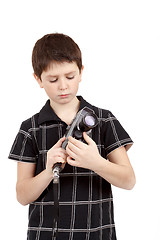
(30, 123)
(100, 112)
(46, 114)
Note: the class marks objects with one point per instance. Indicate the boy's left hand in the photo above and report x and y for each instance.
(82, 154)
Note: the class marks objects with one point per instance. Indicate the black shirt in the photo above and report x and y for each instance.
(86, 202)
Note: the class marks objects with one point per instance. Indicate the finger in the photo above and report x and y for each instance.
(76, 142)
(59, 143)
(60, 160)
(73, 147)
(70, 153)
(87, 138)
(57, 159)
(62, 155)
(71, 162)
(61, 150)
(57, 152)
(63, 165)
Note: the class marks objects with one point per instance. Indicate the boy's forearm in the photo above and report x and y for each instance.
(118, 175)
(28, 190)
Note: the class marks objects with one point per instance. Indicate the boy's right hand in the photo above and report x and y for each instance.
(56, 155)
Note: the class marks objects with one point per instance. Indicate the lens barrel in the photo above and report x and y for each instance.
(88, 122)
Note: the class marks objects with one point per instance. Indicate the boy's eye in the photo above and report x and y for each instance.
(52, 81)
(71, 77)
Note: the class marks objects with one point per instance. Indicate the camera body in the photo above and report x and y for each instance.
(84, 121)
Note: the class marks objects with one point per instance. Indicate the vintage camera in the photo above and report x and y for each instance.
(84, 121)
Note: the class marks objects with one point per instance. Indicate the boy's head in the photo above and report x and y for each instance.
(54, 48)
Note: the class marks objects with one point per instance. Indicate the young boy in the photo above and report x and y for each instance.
(89, 169)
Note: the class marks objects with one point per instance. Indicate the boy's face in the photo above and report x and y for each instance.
(61, 82)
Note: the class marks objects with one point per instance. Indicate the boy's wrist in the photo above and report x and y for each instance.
(100, 164)
(49, 173)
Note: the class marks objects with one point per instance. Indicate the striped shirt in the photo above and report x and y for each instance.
(85, 199)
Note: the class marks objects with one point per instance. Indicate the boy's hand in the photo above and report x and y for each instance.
(56, 155)
(81, 154)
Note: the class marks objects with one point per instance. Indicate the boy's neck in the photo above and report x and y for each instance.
(66, 112)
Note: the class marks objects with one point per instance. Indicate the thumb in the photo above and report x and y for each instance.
(87, 138)
(59, 143)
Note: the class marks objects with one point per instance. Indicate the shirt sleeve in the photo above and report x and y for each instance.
(23, 148)
(115, 135)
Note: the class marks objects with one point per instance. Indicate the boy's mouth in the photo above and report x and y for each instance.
(64, 95)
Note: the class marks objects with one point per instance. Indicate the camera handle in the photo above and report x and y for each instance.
(56, 170)
(56, 208)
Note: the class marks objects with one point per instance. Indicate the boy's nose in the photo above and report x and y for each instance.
(62, 84)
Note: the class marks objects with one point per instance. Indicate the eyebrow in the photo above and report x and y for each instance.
(53, 76)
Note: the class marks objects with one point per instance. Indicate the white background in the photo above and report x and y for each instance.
(120, 42)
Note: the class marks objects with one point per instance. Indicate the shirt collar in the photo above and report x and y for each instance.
(47, 113)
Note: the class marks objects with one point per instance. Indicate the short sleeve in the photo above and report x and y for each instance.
(115, 135)
(23, 148)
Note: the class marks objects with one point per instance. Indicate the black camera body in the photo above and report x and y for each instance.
(84, 121)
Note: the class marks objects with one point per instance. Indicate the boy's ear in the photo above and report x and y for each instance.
(81, 72)
(82, 68)
(38, 80)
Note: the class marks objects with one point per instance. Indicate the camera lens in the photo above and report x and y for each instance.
(89, 121)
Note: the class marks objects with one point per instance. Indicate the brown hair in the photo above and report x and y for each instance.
(54, 47)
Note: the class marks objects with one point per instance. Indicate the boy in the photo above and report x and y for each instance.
(85, 197)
